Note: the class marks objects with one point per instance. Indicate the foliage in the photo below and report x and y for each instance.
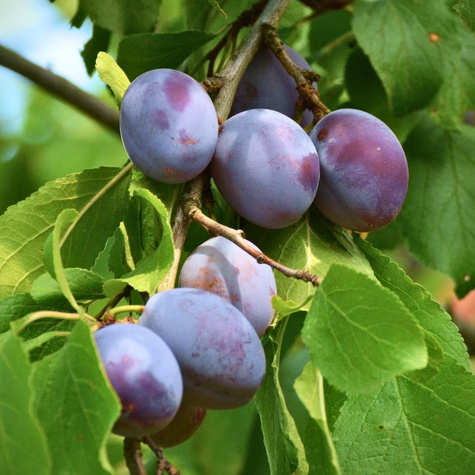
(380, 379)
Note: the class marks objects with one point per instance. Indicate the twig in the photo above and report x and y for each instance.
(133, 457)
(61, 88)
(303, 78)
(163, 463)
(237, 237)
(229, 78)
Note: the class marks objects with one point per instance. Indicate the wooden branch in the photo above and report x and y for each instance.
(61, 88)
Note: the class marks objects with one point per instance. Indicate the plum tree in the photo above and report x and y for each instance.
(168, 125)
(266, 167)
(220, 266)
(267, 85)
(218, 350)
(364, 172)
(186, 422)
(144, 373)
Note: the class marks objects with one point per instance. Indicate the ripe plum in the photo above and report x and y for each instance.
(266, 167)
(144, 373)
(218, 350)
(220, 266)
(187, 421)
(364, 172)
(267, 85)
(168, 125)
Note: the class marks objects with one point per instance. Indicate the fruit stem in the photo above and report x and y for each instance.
(133, 457)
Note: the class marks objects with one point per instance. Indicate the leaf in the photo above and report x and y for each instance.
(411, 427)
(430, 315)
(438, 217)
(321, 456)
(113, 75)
(120, 16)
(153, 268)
(52, 254)
(23, 447)
(75, 405)
(457, 94)
(313, 244)
(99, 195)
(84, 284)
(407, 44)
(17, 306)
(143, 52)
(284, 447)
(99, 42)
(359, 334)
(466, 10)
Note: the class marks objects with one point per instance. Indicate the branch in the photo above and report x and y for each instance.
(303, 78)
(133, 457)
(237, 237)
(163, 464)
(228, 79)
(61, 88)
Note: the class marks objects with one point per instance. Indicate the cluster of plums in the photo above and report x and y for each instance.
(195, 347)
(266, 166)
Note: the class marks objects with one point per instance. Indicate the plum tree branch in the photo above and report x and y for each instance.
(61, 88)
(228, 79)
(133, 457)
(303, 78)
(237, 237)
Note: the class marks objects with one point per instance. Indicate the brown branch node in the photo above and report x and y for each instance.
(304, 78)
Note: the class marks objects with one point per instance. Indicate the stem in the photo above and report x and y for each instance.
(62, 88)
(303, 78)
(133, 457)
(228, 78)
(237, 237)
(126, 308)
(163, 463)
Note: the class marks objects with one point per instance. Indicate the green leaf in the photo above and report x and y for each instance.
(84, 284)
(99, 195)
(120, 16)
(313, 244)
(408, 45)
(430, 315)
(16, 307)
(143, 52)
(112, 74)
(23, 447)
(322, 457)
(359, 334)
(466, 10)
(284, 447)
(457, 94)
(153, 268)
(98, 42)
(52, 254)
(411, 427)
(75, 405)
(438, 217)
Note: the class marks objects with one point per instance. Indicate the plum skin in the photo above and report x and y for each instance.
(186, 422)
(168, 125)
(144, 373)
(266, 167)
(364, 171)
(220, 266)
(219, 352)
(267, 85)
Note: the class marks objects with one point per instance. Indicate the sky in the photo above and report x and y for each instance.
(37, 30)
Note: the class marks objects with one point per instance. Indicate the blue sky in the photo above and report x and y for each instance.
(37, 30)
